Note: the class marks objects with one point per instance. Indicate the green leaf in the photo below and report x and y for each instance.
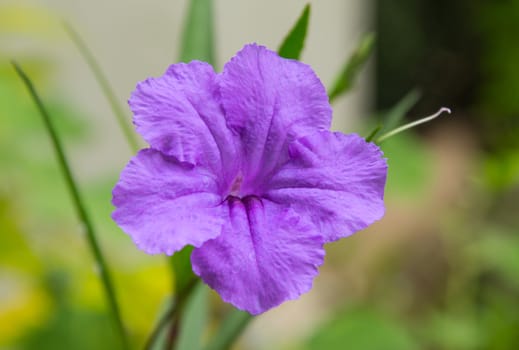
(344, 82)
(181, 263)
(229, 330)
(497, 250)
(411, 166)
(374, 133)
(501, 170)
(158, 337)
(70, 327)
(362, 328)
(294, 42)
(197, 43)
(394, 116)
(84, 218)
(117, 109)
(498, 320)
(454, 331)
(194, 319)
(171, 316)
(197, 39)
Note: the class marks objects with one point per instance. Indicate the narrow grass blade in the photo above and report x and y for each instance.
(181, 265)
(293, 44)
(195, 319)
(158, 337)
(344, 81)
(396, 114)
(80, 208)
(197, 38)
(118, 111)
(374, 133)
(229, 330)
(197, 44)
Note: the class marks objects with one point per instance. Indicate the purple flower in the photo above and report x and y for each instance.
(243, 167)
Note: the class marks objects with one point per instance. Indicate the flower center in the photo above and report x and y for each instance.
(236, 185)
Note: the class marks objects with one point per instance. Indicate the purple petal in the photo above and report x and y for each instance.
(179, 114)
(164, 205)
(265, 255)
(337, 180)
(269, 101)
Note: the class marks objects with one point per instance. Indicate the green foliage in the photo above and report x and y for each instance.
(294, 42)
(198, 39)
(73, 329)
(84, 219)
(183, 273)
(497, 106)
(409, 164)
(15, 250)
(500, 320)
(197, 43)
(25, 149)
(394, 117)
(470, 302)
(20, 121)
(230, 329)
(501, 170)
(345, 79)
(70, 326)
(361, 328)
(451, 331)
(498, 25)
(117, 109)
(498, 250)
(195, 319)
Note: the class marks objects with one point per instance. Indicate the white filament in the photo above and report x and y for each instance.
(412, 124)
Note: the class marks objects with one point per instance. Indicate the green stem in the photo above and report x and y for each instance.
(80, 208)
(171, 315)
(411, 125)
(374, 133)
(181, 299)
(173, 331)
(163, 321)
(230, 329)
(105, 86)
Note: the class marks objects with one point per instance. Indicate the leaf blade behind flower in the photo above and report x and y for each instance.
(391, 119)
(353, 65)
(229, 330)
(197, 43)
(293, 44)
(117, 109)
(197, 36)
(195, 318)
(83, 216)
(181, 264)
(396, 114)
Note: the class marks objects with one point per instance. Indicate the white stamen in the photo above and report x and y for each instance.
(412, 124)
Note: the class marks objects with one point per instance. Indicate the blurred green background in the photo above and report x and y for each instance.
(440, 271)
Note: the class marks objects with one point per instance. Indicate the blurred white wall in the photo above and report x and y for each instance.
(134, 39)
